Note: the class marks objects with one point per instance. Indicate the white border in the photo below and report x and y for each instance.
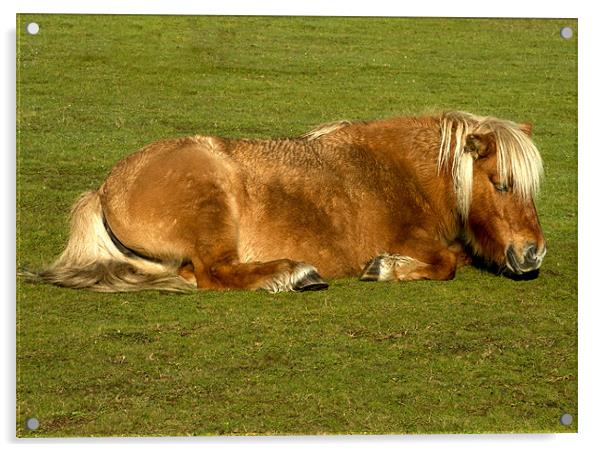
(589, 248)
(459, 8)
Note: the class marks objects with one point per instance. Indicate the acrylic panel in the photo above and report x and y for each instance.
(477, 350)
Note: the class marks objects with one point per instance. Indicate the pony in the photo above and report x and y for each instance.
(398, 199)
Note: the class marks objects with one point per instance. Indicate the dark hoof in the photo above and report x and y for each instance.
(371, 271)
(311, 281)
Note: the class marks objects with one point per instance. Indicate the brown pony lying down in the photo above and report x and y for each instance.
(396, 199)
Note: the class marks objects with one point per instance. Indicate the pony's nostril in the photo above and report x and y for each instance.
(532, 258)
(530, 252)
(511, 260)
(528, 259)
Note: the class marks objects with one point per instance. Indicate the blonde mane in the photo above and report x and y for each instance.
(518, 159)
(324, 129)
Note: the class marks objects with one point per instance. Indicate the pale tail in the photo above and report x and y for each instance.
(92, 261)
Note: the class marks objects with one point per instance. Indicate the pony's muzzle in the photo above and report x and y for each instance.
(531, 259)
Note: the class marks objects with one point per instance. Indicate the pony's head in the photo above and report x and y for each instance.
(496, 171)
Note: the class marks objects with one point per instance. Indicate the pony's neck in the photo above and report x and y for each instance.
(411, 145)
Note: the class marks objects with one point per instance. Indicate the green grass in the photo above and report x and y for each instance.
(480, 353)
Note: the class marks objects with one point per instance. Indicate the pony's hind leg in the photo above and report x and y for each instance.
(213, 260)
(274, 276)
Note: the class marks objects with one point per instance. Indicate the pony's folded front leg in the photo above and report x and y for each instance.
(401, 267)
(275, 276)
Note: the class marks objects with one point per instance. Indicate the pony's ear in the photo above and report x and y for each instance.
(480, 145)
(526, 127)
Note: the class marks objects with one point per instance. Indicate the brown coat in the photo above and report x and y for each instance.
(344, 198)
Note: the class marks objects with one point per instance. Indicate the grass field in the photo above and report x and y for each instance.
(480, 353)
